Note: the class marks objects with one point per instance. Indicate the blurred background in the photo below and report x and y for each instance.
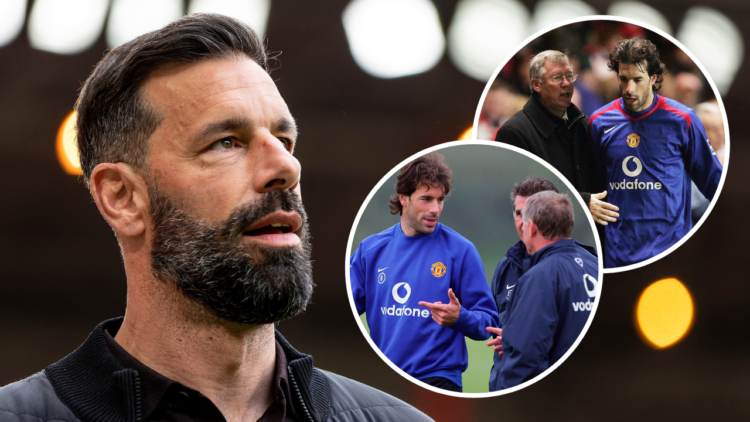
(478, 208)
(361, 114)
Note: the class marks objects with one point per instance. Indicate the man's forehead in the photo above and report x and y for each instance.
(553, 65)
(633, 69)
(430, 190)
(210, 82)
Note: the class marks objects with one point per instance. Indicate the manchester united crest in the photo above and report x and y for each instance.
(633, 140)
(438, 269)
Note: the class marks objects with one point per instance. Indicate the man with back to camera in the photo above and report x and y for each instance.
(186, 146)
(552, 300)
(551, 127)
(652, 147)
(401, 277)
(510, 269)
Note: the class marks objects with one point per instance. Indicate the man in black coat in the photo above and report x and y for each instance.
(555, 130)
(187, 148)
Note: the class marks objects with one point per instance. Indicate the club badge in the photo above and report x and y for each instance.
(633, 140)
(438, 269)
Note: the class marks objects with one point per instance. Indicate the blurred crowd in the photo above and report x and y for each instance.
(588, 44)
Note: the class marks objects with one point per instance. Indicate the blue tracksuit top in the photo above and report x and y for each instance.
(546, 311)
(650, 158)
(391, 273)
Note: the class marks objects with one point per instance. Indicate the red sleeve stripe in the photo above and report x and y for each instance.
(676, 111)
(614, 106)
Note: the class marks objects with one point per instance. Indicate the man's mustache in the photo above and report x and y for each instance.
(247, 214)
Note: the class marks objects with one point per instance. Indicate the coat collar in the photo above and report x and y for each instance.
(543, 119)
(560, 245)
(96, 387)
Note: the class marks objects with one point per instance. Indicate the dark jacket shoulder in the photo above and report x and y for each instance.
(33, 400)
(354, 401)
(91, 385)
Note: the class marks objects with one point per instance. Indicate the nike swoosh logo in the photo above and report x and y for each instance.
(381, 269)
(510, 287)
(610, 129)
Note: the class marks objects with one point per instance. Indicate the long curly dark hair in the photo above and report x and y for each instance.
(639, 52)
(427, 170)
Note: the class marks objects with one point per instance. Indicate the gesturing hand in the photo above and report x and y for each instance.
(497, 341)
(444, 314)
(603, 212)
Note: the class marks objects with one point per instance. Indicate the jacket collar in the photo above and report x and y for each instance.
(545, 121)
(570, 244)
(517, 253)
(96, 387)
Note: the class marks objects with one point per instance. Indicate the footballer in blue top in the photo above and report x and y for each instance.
(421, 284)
(652, 147)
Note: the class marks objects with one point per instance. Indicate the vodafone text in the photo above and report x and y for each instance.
(634, 185)
(581, 306)
(404, 311)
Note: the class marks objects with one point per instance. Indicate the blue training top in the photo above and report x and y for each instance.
(392, 272)
(650, 157)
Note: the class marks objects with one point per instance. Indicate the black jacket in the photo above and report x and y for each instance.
(90, 384)
(567, 148)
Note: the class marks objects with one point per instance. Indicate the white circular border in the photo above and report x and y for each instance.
(349, 282)
(658, 31)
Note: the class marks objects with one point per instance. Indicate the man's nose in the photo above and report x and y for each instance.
(276, 168)
(630, 88)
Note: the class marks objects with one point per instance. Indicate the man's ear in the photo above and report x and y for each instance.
(536, 85)
(533, 229)
(121, 195)
(402, 199)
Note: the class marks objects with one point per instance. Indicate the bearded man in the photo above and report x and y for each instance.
(186, 146)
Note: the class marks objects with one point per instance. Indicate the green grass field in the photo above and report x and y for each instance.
(477, 376)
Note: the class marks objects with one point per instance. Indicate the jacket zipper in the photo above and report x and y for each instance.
(137, 382)
(298, 394)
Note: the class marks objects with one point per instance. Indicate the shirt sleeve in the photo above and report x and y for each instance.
(528, 332)
(357, 276)
(478, 309)
(700, 159)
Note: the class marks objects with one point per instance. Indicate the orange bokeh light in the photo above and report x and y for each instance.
(664, 313)
(67, 149)
(466, 136)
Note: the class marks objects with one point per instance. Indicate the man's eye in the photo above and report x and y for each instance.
(287, 142)
(225, 143)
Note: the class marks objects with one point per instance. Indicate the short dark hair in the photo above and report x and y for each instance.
(428, 170)
(552, 213)
(528, 187)
(114, 121)
(637, 51)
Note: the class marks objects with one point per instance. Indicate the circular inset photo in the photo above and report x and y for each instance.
(473, 269)
(629, 117)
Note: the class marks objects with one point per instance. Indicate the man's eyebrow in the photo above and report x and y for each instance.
(228, 125)
(287, 125)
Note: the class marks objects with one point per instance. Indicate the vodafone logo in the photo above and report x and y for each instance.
(397, 297)
(586, 279)
(638, 166)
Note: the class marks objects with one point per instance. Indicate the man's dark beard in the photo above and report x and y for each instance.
(250, 284)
